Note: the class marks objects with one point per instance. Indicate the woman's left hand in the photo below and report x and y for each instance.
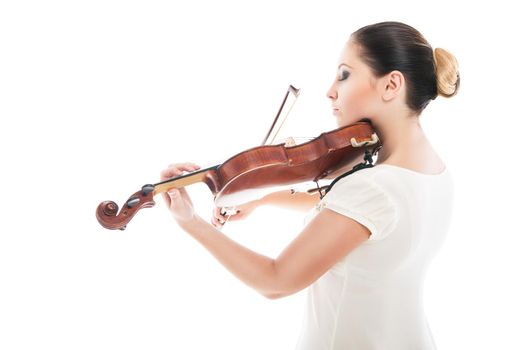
(177, 199)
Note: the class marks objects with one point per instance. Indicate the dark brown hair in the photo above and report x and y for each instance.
(388, 46)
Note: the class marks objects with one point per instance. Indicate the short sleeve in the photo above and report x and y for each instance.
(363, 200)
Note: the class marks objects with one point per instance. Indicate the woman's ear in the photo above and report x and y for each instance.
(393, 83)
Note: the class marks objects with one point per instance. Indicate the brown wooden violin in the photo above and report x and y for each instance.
(254, 172)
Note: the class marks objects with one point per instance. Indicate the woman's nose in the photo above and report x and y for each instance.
(331, 93)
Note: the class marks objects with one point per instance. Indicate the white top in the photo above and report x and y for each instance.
(373, 298)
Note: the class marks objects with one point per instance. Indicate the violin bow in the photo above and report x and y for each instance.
(291, 89)
(295, 92)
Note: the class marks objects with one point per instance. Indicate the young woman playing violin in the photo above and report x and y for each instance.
(365, 247)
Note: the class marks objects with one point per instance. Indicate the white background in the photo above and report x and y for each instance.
(97, 97)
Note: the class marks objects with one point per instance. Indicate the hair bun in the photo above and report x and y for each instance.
(447, 72)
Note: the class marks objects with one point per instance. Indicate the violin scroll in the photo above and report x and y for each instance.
(107, 211)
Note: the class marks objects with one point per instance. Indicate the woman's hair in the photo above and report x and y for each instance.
(389, 46)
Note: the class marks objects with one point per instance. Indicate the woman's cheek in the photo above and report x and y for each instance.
(352, 103)
(360, 101)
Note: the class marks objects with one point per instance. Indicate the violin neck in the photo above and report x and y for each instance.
(183, 180)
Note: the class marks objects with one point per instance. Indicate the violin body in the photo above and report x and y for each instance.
(256, 171)
(236, 181)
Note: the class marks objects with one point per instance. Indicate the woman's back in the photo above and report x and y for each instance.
(373, 298)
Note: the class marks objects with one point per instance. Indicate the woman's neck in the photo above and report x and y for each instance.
(400, 139)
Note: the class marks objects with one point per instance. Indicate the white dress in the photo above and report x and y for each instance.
(373, 298)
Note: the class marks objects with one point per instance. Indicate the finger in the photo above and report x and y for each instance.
(186, 166)
(225, 211)
(215, 222)
(167, 199)
(176, 192)
(173, 194)
(177, 196)
(215, 218)
(217, 212)
(221, 220)
(177, 169)
(235, 217)
(169, 173)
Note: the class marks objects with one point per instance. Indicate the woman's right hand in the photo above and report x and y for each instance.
(242, 212)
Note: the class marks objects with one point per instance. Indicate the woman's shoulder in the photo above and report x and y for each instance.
(425, 168)
(424, 163)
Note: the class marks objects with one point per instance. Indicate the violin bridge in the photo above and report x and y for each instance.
(288, 142)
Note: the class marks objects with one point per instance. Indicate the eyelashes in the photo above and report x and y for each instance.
(344, 75)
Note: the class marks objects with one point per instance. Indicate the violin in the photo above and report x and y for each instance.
(256, 171)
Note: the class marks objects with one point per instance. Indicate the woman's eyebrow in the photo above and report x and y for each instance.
(344, 64)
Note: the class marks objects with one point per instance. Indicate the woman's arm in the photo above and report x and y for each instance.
(326, 239)
(301, 201)
(323, 242)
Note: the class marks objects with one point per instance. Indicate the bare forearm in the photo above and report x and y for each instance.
(301, 201)
(254, 269)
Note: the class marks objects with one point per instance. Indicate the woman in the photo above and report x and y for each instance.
(366, 245)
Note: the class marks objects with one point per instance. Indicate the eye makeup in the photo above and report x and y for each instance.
(345, 74)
